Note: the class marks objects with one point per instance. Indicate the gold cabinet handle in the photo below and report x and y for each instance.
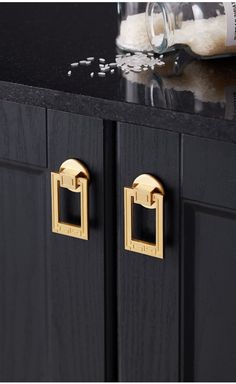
(74, 176)
(148, 192)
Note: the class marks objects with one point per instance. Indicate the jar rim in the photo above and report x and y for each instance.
(168, 29)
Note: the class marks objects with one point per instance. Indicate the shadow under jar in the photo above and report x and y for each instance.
(205, 29)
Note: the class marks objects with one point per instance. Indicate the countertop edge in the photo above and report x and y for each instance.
(179, 122)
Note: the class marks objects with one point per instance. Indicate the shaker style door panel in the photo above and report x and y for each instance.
(76, 285)
(209, 295)
(148, 286)
(23, 278)
(23, 239)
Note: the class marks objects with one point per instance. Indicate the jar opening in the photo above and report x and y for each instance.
(159, 25)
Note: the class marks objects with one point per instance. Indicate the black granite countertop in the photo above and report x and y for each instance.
(39, 41)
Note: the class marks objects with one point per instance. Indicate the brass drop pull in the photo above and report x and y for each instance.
(148, 192)
(74, 176)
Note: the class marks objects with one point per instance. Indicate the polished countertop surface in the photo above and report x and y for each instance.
(39, 41)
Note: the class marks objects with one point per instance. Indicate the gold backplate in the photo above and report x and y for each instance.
(147, 191)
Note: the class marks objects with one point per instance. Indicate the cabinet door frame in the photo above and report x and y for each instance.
(148, 287)
(208, 264)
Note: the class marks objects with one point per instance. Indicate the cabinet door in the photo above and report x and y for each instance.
(52, 322)
(76, 275)
(23, 239)
(209, 261)
(147, 286)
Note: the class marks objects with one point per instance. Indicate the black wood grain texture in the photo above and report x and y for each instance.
(23, 287)
(110, 239)
(148, 287)
(209, 171)
(58, 294)
(77, 267)
(209, 315)
(23, 133)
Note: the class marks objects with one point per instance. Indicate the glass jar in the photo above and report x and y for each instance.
(132, 31)
(206, 29)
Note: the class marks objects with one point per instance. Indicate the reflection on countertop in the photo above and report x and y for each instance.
(40, 41)
(186, 84)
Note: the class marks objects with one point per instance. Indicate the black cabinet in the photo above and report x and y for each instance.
(209, 316)
(76, 310)
(77, 267)
(209, 260)
(23, 239)
(52, 323)
(148, 288)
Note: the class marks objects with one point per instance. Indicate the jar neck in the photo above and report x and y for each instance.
(161, 25)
